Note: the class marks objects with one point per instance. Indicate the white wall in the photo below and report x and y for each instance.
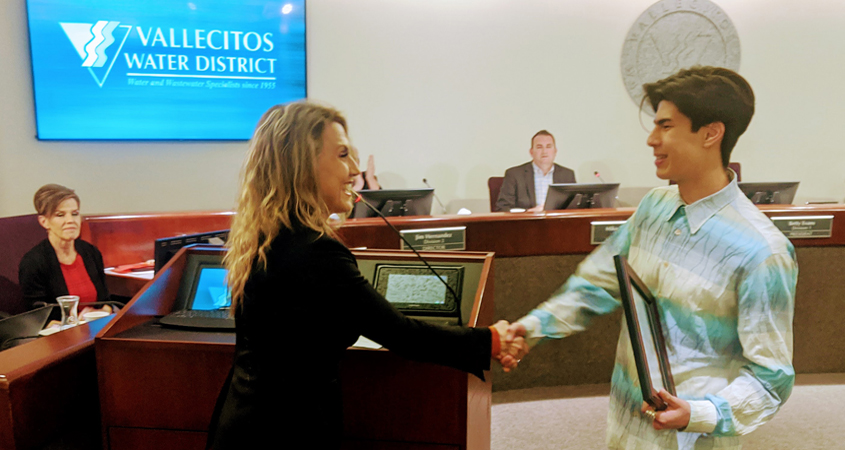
(453, 90)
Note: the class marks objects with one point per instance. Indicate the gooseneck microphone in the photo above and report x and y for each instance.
(598, 175)
(435, 196)
(375, 210)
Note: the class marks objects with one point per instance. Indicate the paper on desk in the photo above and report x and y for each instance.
(141, 274)
(363, 342)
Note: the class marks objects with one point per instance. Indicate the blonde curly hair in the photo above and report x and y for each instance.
(278, 187)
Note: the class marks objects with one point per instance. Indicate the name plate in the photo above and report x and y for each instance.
(805, 227)
(452, 238)
(601, 230)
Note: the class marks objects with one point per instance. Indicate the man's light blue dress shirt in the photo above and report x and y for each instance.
(541, 184)
(724, 278)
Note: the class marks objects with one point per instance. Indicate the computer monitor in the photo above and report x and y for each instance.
(581, 196)
(770, 193)
(162, 69)
(203, 285)
(165, 248)
(415, 290)
(23, 327)
(395, 202)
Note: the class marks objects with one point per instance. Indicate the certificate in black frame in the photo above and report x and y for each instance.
(647, 338)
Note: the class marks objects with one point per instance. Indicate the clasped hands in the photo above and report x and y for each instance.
(512, 344)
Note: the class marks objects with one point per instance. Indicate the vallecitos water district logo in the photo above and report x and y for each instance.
(95, 45)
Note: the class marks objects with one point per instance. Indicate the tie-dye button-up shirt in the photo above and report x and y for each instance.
(724, 278)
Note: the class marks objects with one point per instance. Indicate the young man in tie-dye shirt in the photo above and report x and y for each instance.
(723, 275)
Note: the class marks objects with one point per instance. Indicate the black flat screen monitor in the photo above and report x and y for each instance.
(581, 196)
(770, 193)
(203, 286)
(21, 328)
(415, 290)
(395, 202)
(165, 248)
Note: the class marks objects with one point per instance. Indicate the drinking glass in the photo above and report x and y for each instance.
(68, 304)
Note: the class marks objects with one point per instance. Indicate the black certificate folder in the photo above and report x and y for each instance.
(646, 331)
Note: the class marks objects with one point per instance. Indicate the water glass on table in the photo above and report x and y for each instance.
(68, 305)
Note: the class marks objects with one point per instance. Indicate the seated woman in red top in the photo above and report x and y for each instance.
(62, 264)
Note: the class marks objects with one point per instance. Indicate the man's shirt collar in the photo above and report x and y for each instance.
(699, 212)
(539, 172)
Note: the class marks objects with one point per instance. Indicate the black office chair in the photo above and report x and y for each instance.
(494, 185)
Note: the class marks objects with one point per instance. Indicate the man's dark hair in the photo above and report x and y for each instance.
(707, 95)
(542, 133)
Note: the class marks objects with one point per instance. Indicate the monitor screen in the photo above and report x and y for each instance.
(414, 289)
(395, 202)
(581, 196)
(418, 289)
(166, 248)
(203, 285)
(211, 290)
(163, 69)
(777, 193)
(18, 329)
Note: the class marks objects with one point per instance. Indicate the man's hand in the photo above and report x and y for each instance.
(676, 415)
(511, 350)
(514, 340)
(538, 208)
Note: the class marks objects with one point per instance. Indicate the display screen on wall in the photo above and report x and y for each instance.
(163, 69)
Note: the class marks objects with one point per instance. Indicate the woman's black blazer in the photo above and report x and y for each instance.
(298, 318)
(40, 274)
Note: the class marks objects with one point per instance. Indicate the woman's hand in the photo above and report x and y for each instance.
(372, 183)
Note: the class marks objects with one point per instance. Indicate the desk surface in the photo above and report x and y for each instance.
(151, 331)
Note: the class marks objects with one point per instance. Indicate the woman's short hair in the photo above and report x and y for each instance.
(278, 186)
(48, 198)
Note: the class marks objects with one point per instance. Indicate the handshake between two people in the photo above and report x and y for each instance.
(512, 344)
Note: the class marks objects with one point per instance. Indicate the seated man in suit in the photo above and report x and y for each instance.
(525, 186)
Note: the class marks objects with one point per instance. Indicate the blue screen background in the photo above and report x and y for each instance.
(212, 291)
(71, 105)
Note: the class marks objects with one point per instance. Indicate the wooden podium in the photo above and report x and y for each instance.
(158, 385)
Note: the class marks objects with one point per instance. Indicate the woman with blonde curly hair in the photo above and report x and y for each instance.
(298, 297)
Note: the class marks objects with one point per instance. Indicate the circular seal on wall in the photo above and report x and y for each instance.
(676, 34)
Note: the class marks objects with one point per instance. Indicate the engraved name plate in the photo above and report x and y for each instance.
(451, 238)
(805, 227)
(601, 230)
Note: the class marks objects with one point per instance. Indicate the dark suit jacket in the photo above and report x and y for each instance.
(40, 274)
(298, 317)
(518, 186)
